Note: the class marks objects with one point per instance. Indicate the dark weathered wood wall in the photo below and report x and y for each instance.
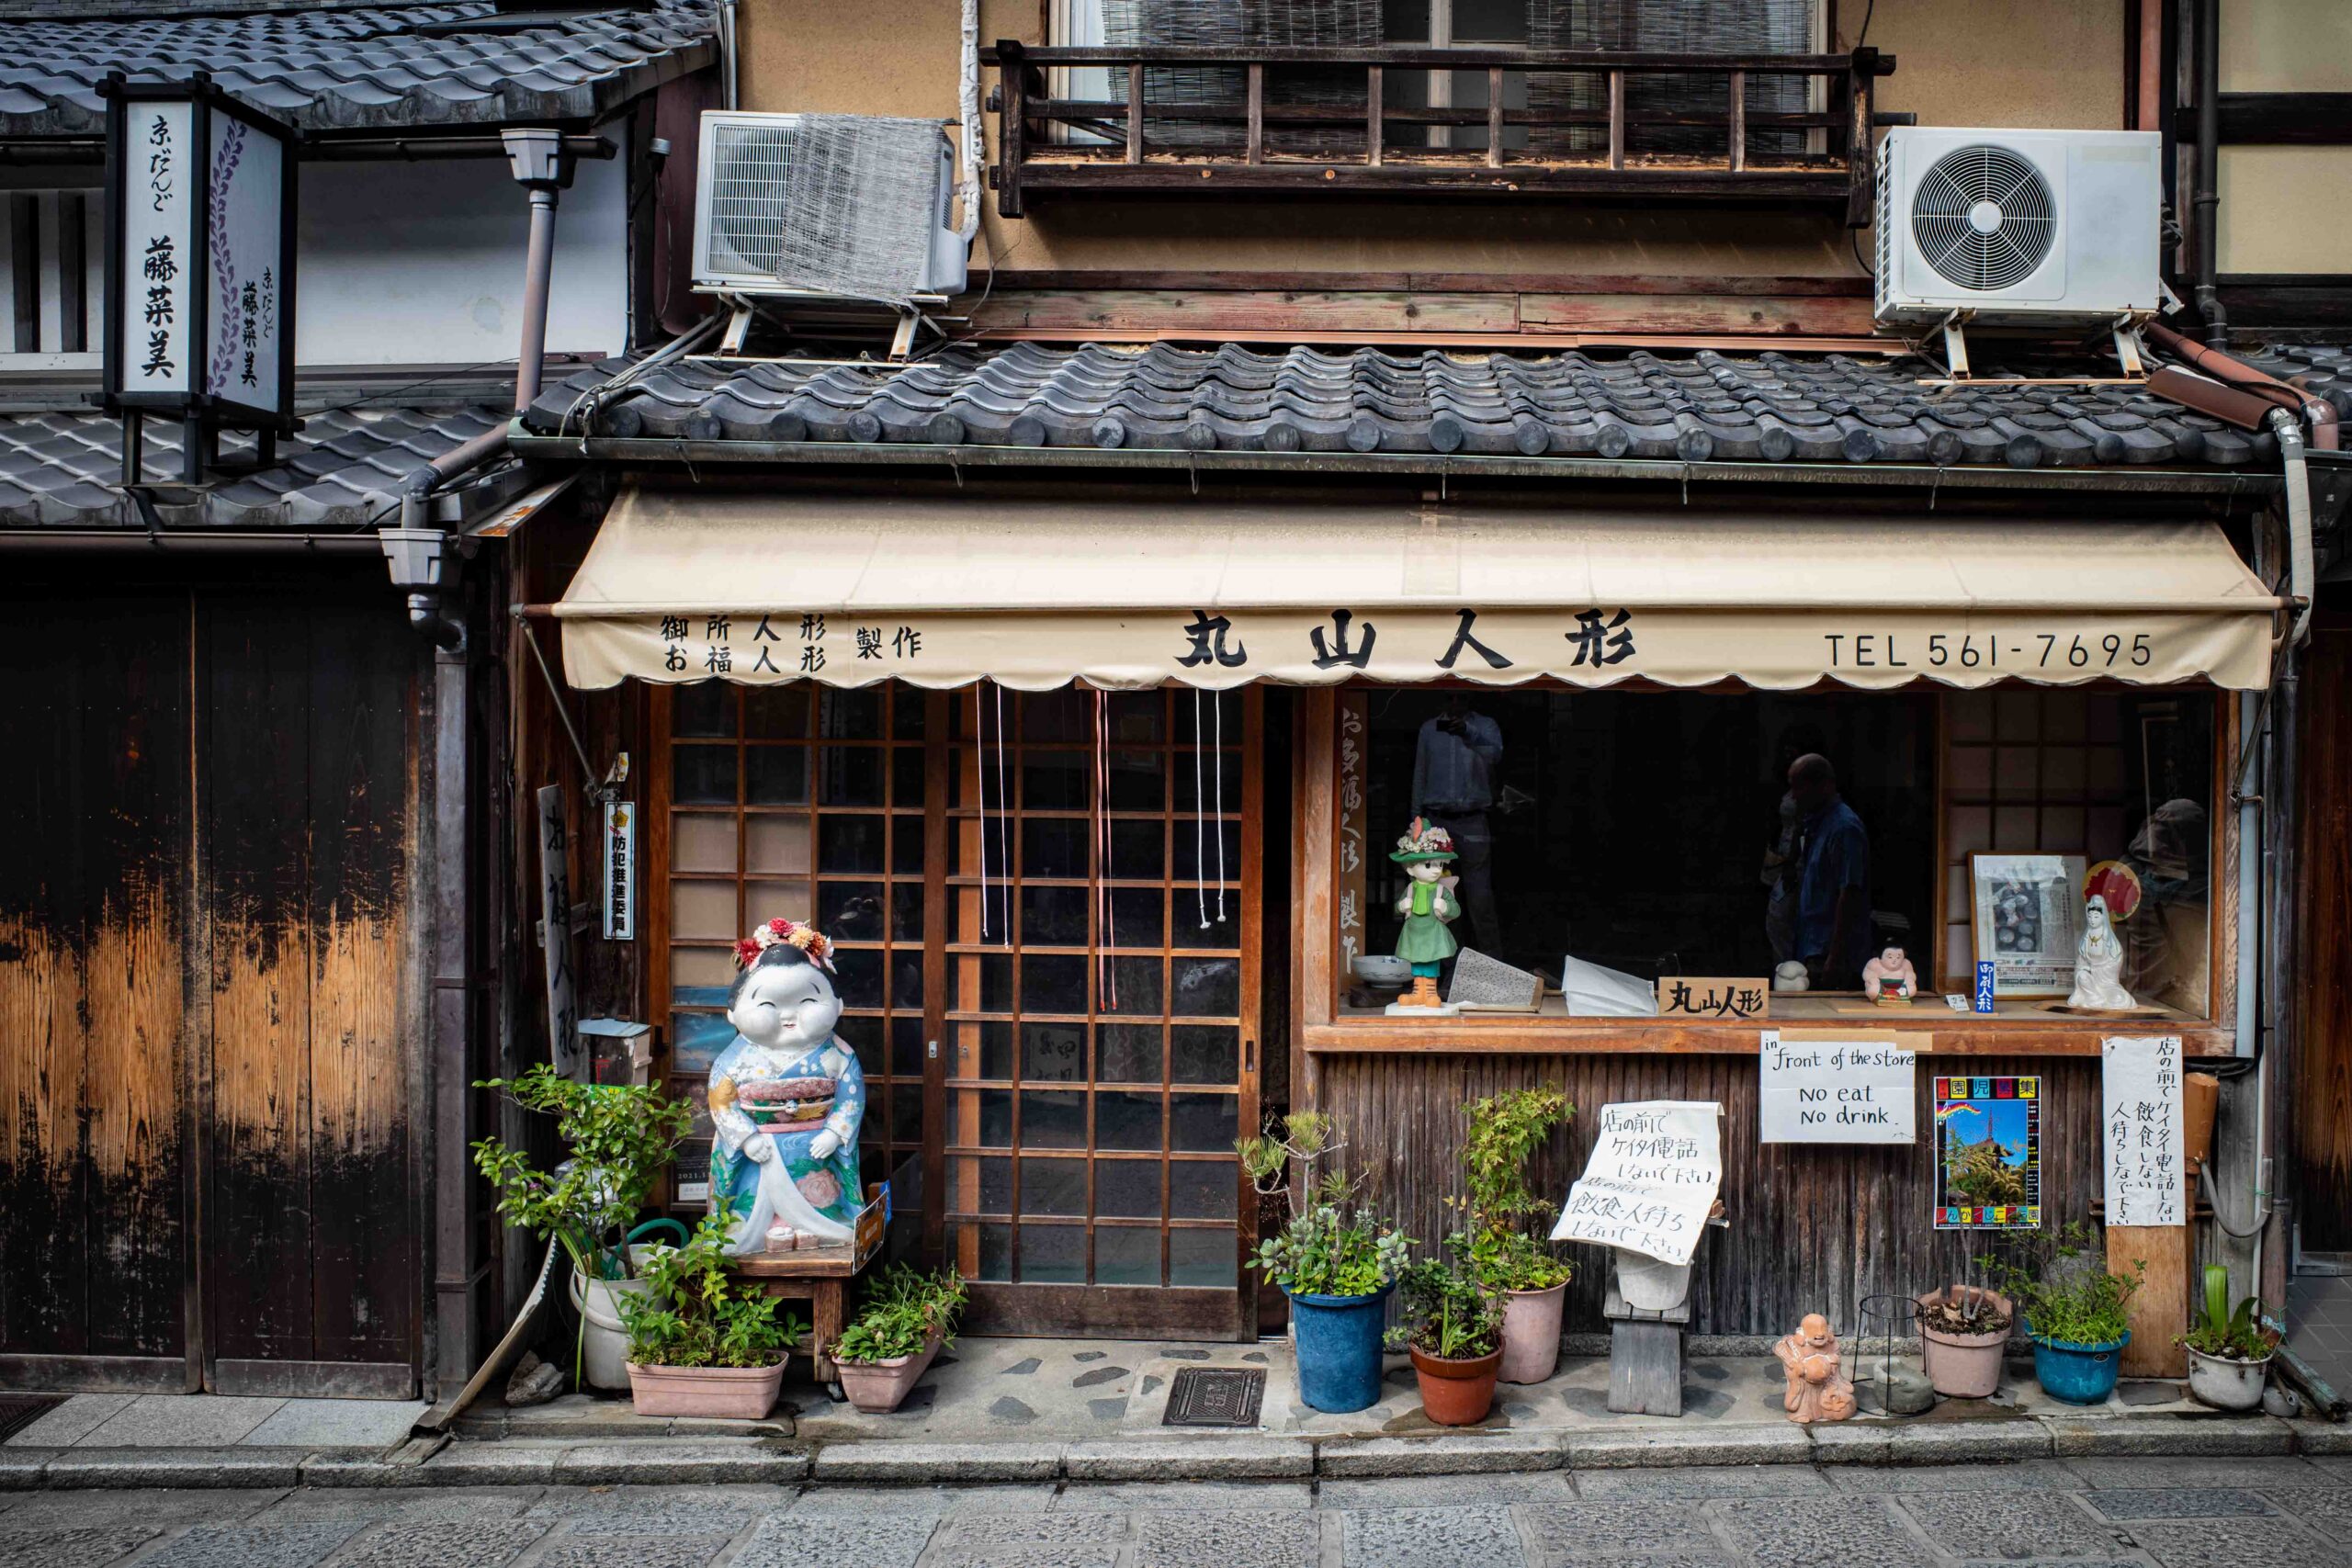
(2322, 1092)
(1812, 1228)
(206, 1039)
(93, 956)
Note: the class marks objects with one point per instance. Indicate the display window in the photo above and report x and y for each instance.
(1558, 854)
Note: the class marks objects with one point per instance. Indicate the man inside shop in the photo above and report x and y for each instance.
(1454, 764)
(1831, 870)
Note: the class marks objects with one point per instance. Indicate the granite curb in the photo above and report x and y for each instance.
(1234, 1457)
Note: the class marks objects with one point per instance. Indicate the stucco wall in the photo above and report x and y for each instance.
(2286, 46)
(2283, 210)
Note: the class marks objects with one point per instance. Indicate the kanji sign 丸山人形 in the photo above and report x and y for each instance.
(1723, 1001)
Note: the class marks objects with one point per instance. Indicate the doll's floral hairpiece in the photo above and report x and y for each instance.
(781, 933)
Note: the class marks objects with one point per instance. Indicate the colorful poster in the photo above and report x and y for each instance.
(1988, 1154)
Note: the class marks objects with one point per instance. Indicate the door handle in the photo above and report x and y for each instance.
(1249, 1055)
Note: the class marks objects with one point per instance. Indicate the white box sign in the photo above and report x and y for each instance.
(2146, 1160)
(162, 178)
(1651, 1179)
(247, 295)
(1860, 1090)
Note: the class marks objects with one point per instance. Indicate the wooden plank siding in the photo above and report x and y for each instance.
(2322, 1091)
(207, 1044)
(1812, 1227)
(93, 949)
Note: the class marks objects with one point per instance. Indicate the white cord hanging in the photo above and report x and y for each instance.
(1003, 844)
(1200, 847)
(1106, 968)
(1216, 705)
(980, 753)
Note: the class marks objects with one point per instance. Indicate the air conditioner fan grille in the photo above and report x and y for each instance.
(1984, 218)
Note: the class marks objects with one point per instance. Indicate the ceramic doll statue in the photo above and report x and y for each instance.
(1816, 1390)
(2098, 963)
(1425, 852)
(1890, 977)
(785, 1100)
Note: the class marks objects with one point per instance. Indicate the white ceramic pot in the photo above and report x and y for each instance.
(1651, 1284)
(2226, 1385)
(605, 1343)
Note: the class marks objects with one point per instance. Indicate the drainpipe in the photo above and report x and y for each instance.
(543, 167)
(2208, 199)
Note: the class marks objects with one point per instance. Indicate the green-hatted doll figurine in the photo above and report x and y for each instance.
(1425, 852)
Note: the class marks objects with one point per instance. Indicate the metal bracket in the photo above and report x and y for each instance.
(1955, 330)
(2127, 348)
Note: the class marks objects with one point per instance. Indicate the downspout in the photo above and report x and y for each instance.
(2208, 198)
(730, 59)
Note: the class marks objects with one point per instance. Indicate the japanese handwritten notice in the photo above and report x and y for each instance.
(2146, 1166)
(1859, 1090)
(1722, 1000)
(1651, 1179)
(1349, 848)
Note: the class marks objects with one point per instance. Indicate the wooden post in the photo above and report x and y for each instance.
(1494, 117)
(1372, 116)
(1616, 119)
(1012, 137)
(1738, 120)
(1135, 112)
(1862, 165)
(1257, 154)
(2158, 1310)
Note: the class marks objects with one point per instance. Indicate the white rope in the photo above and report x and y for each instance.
(1004, 850)
(1200, 847)
(1216, 705)
(979, 754)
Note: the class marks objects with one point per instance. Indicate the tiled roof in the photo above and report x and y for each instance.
(343, 470)
(1697, 406)
(346, 70)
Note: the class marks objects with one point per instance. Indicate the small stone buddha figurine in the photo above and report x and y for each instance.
(785, 1100)
(1425, 852)
(2098, 963)
(1816, 1392)
(1890, 977)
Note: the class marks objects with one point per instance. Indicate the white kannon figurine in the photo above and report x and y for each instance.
(2098, 963)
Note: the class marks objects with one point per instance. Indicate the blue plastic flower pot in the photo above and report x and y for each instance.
(2079, 1375)
(1339, 1349)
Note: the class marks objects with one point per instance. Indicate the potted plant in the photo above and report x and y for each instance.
(1335, 1263)
(1962, 1332)
(1451, 1326)
(1523, 1271)
(621, 1136)
(2074, 1311)
(2229, 1352)
(906, 1319)
(702, 1341)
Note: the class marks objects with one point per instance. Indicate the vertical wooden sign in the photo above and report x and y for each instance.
(555, 932)
(1348, 884)
(2147, 1200)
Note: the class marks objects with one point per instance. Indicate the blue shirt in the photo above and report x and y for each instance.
(1454, 774)
(1836, 856)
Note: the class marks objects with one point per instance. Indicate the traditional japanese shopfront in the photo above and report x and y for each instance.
(1095, 794)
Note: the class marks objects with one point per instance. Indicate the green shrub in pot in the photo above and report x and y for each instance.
(1508, 1250)
(2076, 1312)
(908, 1318)
(1453, 1327)
(2228, 1350)
(703, 1341)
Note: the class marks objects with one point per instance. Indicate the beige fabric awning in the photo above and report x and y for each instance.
(692, 584)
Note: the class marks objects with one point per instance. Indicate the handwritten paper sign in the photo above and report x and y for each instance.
(1859, 1090)
(1651, 1179)
(2145, 1161)
(1725, 1001)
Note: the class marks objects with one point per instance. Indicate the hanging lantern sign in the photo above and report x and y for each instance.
(199, 303)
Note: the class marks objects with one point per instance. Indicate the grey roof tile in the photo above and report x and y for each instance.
(343, 470)
(378, 67)
(1696, 406)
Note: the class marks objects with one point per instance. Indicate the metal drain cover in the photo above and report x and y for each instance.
(18, 1411)
(1215, 1397)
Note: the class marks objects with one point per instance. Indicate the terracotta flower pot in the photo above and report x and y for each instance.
(1456, 1393)
(740, 1394)
(879, 1387)
(1964, 1366)
(1531, 1333)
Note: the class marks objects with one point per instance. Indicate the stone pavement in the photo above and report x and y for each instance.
(2170, 1513)
(2319, 1326)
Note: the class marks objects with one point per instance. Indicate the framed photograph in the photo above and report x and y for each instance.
(2026, 917)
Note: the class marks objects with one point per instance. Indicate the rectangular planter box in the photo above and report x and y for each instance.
(740, 1394)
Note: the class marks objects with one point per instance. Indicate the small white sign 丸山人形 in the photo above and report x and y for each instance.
(1862, 1090)
(2141, 1131)
(1651, 1179)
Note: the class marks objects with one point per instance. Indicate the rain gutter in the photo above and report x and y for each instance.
(2225, 483)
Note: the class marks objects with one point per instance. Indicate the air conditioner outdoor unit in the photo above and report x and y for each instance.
(2017, 228)
(747, 196)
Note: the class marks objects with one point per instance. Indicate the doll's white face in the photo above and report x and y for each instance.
(787, 1005)
(1426, 869)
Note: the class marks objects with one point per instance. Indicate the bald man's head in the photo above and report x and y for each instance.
(1813, 783)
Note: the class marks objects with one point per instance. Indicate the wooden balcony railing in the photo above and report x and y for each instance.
(1202, 120)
